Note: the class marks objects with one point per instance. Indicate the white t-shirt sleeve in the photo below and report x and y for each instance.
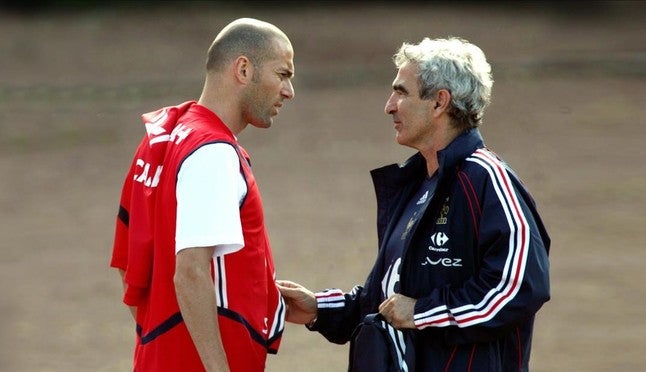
(209, 190)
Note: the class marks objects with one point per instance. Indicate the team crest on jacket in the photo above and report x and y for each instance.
(444, 211)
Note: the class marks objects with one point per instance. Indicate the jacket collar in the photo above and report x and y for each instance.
(461, 147)
(397, 181)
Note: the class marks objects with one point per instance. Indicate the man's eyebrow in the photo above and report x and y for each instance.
(400, 88)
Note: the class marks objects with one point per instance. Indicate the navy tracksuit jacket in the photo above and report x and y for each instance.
(477, 263)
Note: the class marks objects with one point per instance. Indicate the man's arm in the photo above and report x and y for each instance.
(332, 313)
(196, 298)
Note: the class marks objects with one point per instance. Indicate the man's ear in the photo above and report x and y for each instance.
(243, 69)
(443, 100)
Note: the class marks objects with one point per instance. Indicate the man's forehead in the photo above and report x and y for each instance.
(282, 58)
(285, 57)
(405, 77)
(284, 64)
(408, 69)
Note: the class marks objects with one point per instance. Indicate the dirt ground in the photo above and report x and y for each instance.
(568, 114)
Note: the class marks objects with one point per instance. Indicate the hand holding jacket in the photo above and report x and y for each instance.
(398, 311)
(301, 302)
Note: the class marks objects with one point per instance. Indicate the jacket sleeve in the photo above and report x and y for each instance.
(511, 281)
(338, 314)
(121, 232)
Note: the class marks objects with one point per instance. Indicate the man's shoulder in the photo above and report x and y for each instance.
(483, 164)
(217, 152)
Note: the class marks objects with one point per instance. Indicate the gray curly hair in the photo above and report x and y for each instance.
(456, 65)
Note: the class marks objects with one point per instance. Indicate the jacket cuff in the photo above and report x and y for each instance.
(328, 302)
(423, 317)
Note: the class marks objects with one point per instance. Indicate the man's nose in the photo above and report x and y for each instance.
(288, 90)
(391, 106)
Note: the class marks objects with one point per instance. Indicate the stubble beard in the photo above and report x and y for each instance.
(255, 107)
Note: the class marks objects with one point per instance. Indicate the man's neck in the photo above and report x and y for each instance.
(215, 99)
(440, 142)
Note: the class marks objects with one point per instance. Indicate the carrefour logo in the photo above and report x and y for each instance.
(439, 239)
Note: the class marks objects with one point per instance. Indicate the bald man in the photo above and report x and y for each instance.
(190, 239)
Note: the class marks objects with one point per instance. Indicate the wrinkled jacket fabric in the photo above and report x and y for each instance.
(477, 263)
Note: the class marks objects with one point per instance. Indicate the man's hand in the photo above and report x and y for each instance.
(301, 302)
(398, 310)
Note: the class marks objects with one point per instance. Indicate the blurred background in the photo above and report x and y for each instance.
(567, 113)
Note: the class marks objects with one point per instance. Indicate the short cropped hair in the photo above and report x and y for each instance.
(251, 38)
(456, 65)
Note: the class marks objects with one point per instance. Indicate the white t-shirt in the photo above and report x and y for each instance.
(209, 191)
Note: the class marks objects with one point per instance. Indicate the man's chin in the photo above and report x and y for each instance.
(262, 124)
